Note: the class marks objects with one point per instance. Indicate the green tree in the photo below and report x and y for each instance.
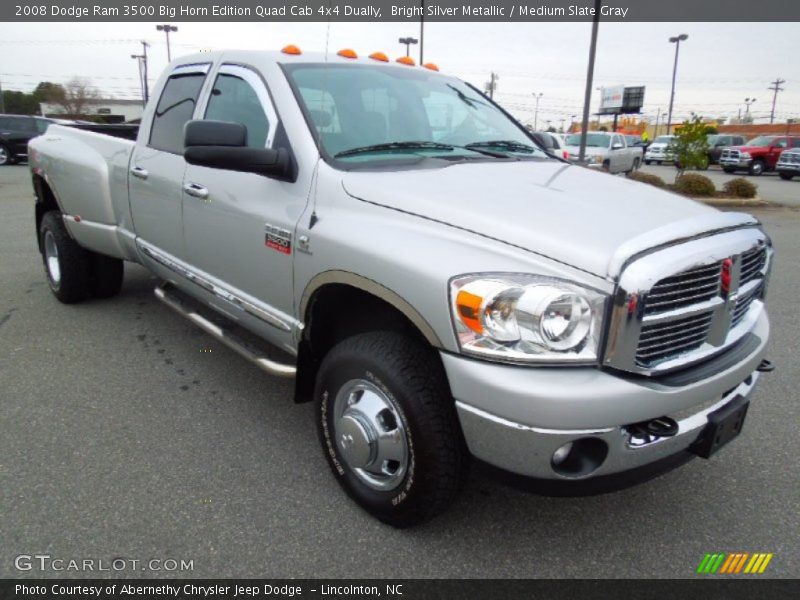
(19, 103)
(690, 146)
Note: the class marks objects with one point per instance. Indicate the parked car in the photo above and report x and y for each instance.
(659, 150)
(788, 164)
(551, 142)
(758, 155)
(607, 151)
(390, 238)
(635, 141)
(719, 141)
(15, 133)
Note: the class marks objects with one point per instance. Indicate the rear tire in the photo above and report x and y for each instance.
(648, 162)
(389, 429)
(106, 275)
(728, 170)
(66, 264)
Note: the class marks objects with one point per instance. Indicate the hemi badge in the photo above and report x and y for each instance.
(278, 239)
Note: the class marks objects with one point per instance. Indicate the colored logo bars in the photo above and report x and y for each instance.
(734, 562)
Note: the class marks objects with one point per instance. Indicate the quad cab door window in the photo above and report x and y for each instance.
(157, 167)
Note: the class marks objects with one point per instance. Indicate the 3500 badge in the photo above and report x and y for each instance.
(278, 239)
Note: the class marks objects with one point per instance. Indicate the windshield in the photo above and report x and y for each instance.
(663, 139)
(761, 141)
(379, 113)
(593, 140)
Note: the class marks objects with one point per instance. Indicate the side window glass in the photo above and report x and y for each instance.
(233, 99)
(174, 109)
(796, 143)
(781, 144)
(42, 125)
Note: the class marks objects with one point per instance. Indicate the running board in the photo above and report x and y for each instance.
(167, 294)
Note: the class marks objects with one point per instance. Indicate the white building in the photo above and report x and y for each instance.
(114, 110)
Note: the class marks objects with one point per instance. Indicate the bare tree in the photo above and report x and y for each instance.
(74, 96)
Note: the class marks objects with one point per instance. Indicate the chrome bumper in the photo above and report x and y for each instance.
(515, 418)
(739, 163)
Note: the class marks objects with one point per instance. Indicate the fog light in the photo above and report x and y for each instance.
(560, 455)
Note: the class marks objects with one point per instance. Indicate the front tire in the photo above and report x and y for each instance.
(786, 176)
(106, 275)
(757, 168)
(66, 264)
(389, 429)
(6, 156)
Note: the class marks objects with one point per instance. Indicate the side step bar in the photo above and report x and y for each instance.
(168, 297)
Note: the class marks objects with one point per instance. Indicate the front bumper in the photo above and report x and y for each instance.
(736, 163)
(516, 417)
(788, 167)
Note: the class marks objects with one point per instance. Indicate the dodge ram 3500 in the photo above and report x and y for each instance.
(436, 283)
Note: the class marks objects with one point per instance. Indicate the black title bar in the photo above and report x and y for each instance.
(402, 10)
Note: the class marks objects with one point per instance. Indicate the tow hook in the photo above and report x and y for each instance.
(765, 366)
(648, 431)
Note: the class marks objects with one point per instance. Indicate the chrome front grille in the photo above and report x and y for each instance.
(684, 289)
(687, 302)
(662, 340)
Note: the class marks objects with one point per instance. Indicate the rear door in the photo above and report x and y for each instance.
(18, 131)
(157, 164)
(239, 226)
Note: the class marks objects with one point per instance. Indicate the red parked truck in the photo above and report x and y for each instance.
(758, 155)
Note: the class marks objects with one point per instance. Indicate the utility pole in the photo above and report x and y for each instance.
(536, 113)
(658, 118)
(677, 41)
(145, 85)
(587, 97)
(491, 85)
(775, 87)
(421, 30)
(167, 29)
(139, 58)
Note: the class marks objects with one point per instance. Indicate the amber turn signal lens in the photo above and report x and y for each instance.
(469, 310)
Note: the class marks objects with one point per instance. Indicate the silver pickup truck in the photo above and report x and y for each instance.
(437, 284)
(607, 151)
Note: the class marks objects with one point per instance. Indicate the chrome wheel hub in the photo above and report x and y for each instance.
(370, 435)
(51, 258)
(3, 156)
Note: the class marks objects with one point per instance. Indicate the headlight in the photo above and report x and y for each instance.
(596, 159)
(526, 318)
(744, 155)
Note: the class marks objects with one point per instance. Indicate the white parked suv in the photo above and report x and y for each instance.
(658, 151)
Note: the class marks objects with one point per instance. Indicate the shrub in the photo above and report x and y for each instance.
(695, 185)
(646, 178)
(740, 188)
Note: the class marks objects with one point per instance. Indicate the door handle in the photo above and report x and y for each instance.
(139, 172)
(198, 191)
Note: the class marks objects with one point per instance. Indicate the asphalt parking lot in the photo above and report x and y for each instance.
(770, 186)
(126, 432)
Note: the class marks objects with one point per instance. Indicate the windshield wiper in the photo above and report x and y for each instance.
(471, 102)
(507, 145)
(395, 146)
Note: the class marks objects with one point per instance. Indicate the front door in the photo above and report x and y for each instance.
(238, 226)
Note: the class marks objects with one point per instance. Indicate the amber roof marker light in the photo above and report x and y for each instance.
(431, 66)
(379, 56)
(291, 49)
(406, 60)
(347, 53)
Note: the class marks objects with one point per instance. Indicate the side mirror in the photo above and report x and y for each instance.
(223, 145)
(617, 146)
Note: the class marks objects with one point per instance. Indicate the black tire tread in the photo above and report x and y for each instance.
(420, 370)
(106, 275)
(74, 261)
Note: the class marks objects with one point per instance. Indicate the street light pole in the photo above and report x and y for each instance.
(536, 112)
(587, 97)
(145, 85)
(408, 41)
(421, 30)
(139, 58)
(677, 41)
(166, 28)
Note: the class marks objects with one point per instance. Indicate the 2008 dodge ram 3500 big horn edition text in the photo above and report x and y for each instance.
(440, 287)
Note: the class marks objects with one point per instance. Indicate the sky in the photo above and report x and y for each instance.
(719, 65)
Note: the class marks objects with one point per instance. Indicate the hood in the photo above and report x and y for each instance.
(747, 148)
(591, 221)
(657, 146)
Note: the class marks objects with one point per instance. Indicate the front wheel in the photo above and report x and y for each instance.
(786, 176)
(757, 168)
(728, 169)
(6, 156)
(388, 427)
(648, 162)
